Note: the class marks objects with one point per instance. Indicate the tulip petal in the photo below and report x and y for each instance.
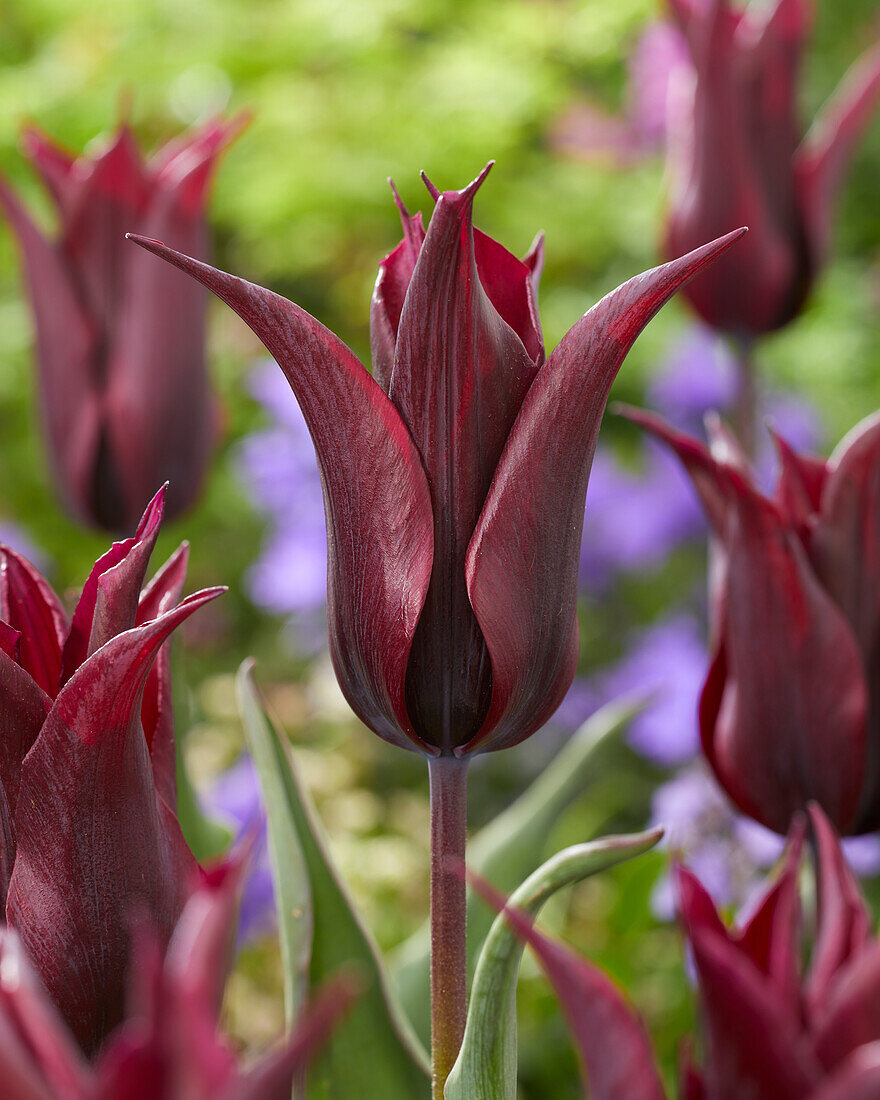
(843, 928)
(23, 709)
(55, 164)
(29, 606)
(38, 1030)
(754, 1046)
(94, 843)
(849, 1015)
(67, 343)
(826, 151)
(857, 1079)
(377, 501)
(460, 374)
(534, 261)
(801, 482)
(611, 1040)
(794, 673)
(392, 283)
(157, 710)
(109, 601)
(522, 560)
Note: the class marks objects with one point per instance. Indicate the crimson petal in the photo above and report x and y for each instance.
(460, 375)
(825, 152)
(157, 710)
(29, 606)
(67, 343)
(800, 484)
(109, 601)
(377, 501)
(23, 709)
(614, 1048)
(843, 924)
(521, 565)
(94, 842)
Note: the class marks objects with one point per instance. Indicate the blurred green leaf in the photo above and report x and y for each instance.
(290, 877)
(487, 1063)
(511, 846)
(374, 1043)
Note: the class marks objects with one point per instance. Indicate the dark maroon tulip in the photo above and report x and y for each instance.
(121, 352)
(737, 157)
(168, 1046)
(790, 710)
(774, 1030)
(453, 526)
(87, 793)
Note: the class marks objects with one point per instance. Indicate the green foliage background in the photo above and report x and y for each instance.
(344, 94)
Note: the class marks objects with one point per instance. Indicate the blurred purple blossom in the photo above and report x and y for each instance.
(728, 852)
(587, 130)
(278, 466)
(234, 799)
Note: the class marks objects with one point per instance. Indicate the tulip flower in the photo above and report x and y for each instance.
(790, 710)
(88, 834)
(168, 1046)
(120, 351)
(773, 1029)
(453, 528)
(736, 156)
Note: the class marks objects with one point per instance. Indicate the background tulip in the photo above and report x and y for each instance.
(89, 834)
(121, 353)
(168, 1047)
(788, 711)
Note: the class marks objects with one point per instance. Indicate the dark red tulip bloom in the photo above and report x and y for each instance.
(737, 157)
(453, 522)
(121, 352)
(168, 1047)
(775, 1031)
(790, 711)
(88, 834)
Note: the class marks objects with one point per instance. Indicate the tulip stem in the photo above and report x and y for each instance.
(745, 405)
(448, 783)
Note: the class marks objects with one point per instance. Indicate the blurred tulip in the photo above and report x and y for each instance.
(773, 1029)
(88, 834)
(121, 351)
(736, 157)
(790, 710)
(167, 1046)
(453, 528)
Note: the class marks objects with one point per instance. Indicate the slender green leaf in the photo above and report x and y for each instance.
(373, 1052)
(290, 877)
(511, 847)
(486, 1065)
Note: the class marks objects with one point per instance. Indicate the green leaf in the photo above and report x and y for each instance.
(373, 1051)
(511, 847)
(486, 1065)
(290, 877)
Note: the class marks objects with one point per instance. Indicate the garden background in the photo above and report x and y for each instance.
(343, 94)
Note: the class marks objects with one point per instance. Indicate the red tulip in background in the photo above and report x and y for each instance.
(789, 711)
(453, 522)
(88, 834)
(773, 1029)
(168, 1046)
(737, 157)
(121, 349)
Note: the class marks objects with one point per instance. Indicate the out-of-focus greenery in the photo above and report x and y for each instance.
(345, 93)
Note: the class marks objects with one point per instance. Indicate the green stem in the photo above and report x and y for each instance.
(448, 782)
(745, 406)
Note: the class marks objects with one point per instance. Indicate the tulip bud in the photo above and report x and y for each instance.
(121, 353)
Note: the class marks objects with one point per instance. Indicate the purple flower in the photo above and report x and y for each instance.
(234, 798)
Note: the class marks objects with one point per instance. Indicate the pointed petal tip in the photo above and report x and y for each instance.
(432, 190)
(398, 201)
